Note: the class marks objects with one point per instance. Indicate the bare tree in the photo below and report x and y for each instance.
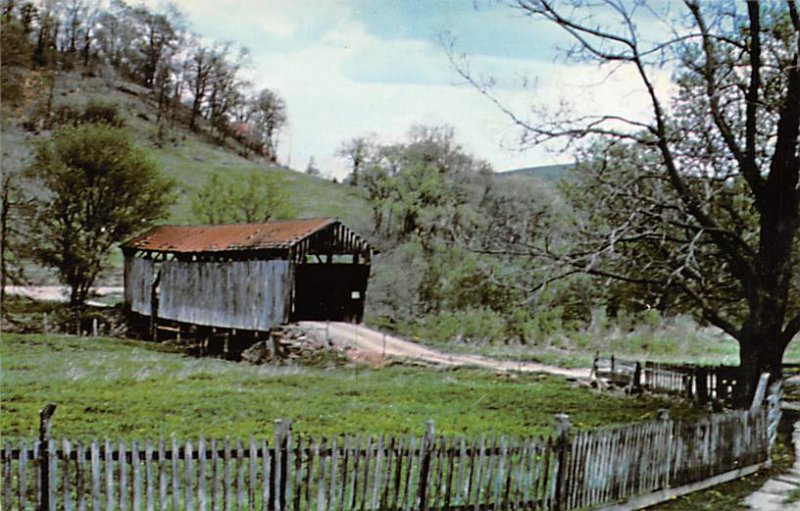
(357, 150)
(703, 196)
(269, 118)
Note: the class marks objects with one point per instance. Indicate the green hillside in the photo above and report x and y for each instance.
(187, 157)
(545, 172)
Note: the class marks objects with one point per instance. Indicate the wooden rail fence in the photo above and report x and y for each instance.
(570, 470)
(704, 384)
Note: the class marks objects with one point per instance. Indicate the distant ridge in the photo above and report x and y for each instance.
(545, 172)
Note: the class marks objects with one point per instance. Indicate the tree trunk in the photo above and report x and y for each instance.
(758, 355)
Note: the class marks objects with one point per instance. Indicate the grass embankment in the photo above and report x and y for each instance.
(128, 389)
(186, 157)
(676, 339)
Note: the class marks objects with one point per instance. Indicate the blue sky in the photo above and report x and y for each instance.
(351, 68)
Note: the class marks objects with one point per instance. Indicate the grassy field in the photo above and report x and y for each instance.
(675, 339)
(119, 388)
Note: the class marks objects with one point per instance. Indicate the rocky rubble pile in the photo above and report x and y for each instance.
(288, 344)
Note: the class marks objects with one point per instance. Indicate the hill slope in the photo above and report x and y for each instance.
(187, 157)
(545, 172)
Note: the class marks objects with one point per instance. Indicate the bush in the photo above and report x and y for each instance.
(94, 112)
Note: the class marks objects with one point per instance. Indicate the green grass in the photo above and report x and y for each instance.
(186, 157)
(120, 388)
(677, 339)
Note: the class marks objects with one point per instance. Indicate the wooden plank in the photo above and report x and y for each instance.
(296, 481)
(226, 476)
(241, 491)
(362, 498)
(162, 475)
(22, 475)
(66, 450)
(176, 474)
(377, 477)
(136, 504)
(188, 499)
(653, 498)
(51, 475)
(407, 500)
(252, 482)
(320, 479)
(309, 471)
(94, 453)
(475, 485)
(149, 476)
(122, 467)
(214, 482)
(265, 475)
(395, 496)
(109, 469)
(333, 495)
(387, 477)
(202, 496)
(8, 489)
(80, 471)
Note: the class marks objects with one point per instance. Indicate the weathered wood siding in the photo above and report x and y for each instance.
(138, 283)
(250, 295)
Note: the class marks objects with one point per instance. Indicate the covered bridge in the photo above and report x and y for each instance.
(248, 276)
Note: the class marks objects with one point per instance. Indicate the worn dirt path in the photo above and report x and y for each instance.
(378, 344)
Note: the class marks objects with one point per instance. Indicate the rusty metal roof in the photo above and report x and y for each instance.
(282, 234)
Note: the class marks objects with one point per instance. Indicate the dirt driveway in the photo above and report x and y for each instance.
(377, 344)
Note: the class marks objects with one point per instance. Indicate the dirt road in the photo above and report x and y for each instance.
(366, 340)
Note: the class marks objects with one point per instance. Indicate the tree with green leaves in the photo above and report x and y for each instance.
(258, 198)
(700, 201)
(99, 190)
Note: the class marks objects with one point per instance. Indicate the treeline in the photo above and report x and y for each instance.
(189, 79)
(456, 240)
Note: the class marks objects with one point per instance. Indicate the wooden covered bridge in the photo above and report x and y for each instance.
(246, 277)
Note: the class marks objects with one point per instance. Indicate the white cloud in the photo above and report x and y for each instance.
(340, 80)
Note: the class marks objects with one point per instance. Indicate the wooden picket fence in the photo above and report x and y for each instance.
(701, 383)
(569, 470)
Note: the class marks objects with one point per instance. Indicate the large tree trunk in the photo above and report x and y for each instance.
(760, 350)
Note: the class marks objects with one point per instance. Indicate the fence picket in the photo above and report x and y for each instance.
(109, 470)
(136, 504)
(252, 482)
(387, 472)
(265, 466)
(202, 502)
(22, 475)
(80, 477)
(148, 476)
(66, 451)
(241, 491)
(8, 489)
(188, 479)
(176, 474)
(215, 497)
(123, 479)
(226, 476)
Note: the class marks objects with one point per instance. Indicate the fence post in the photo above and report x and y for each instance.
(701, 384)
(774, 411)
(666, 462)
(562, 447)
(46, 496)
(761, 390)
(425, 465)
